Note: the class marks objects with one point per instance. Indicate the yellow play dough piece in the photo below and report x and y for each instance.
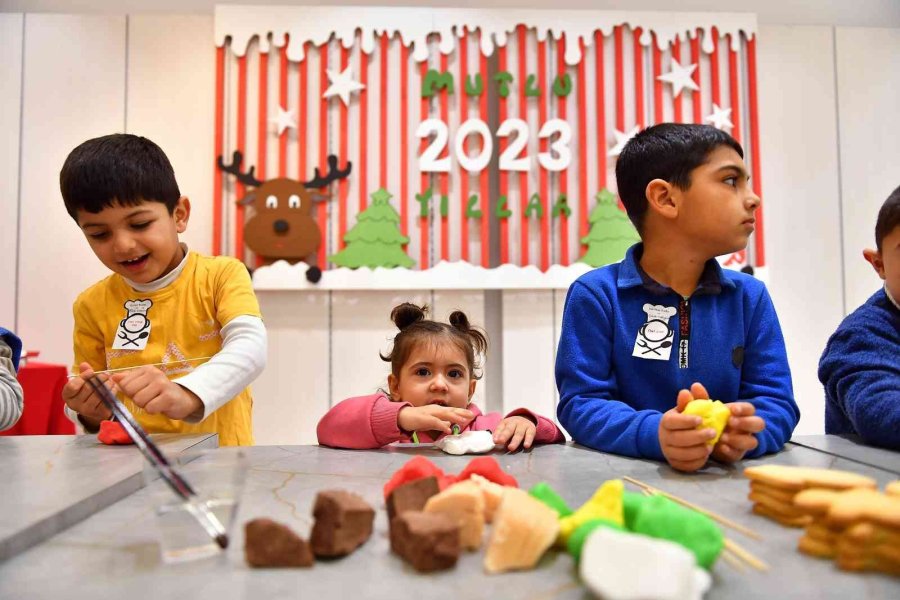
(714, 414)
(606, 503)
(464, 502)
(524, 528)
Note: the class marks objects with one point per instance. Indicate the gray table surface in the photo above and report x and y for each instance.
(115, 551)
(50, 482)
(852, 448)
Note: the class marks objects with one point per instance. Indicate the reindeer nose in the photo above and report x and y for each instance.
(281, 226)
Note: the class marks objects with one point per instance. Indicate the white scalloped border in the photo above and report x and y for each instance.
(316, 25)
(283, 276)
(443, 276)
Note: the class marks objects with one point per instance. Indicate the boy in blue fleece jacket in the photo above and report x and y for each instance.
(637, 334)
(860, 367)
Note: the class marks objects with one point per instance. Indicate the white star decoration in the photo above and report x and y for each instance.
(720, 118)
(680, 78)
(284, 120)
(622, 139)
(342, 84)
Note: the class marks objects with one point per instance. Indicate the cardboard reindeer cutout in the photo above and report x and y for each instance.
(282, 227)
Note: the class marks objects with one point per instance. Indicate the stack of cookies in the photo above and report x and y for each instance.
(858, 528)
(773, 489)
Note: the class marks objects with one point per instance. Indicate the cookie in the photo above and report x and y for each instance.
(785, 496)
(814, 547)
(780, 508)
(786, 521)
(893, 488)
(797, 478)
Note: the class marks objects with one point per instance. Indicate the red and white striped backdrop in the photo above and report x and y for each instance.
(615, 87)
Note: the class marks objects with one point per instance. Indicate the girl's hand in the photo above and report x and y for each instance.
(514, 430)
(433, 417)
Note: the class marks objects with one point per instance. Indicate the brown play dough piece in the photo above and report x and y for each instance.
(271, 544)
(343, 523)
(411, 496)
(427, 541)
(463, 501)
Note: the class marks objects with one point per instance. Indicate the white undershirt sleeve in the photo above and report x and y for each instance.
(240, 361)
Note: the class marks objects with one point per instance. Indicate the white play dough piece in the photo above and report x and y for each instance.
(627, 566)
(468, 442)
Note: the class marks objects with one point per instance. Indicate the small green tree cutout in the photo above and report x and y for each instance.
(375, 240)
(611, 232)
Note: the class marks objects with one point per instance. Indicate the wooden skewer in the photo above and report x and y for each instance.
(723, 520)
(745, 555)
(732, 561)
(159, 364)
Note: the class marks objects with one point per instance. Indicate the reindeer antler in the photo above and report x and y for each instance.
(333, 174)
(235, 169)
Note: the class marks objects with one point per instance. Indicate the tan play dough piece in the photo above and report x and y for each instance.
(524, 528)
(464, 501)
(493, 493)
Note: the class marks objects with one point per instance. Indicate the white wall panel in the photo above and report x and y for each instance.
(10, 112)
(171, 100)
(868, 80)
(528, 351)
(800, 198)
(361, 327)
(74, 89)
(292, 392)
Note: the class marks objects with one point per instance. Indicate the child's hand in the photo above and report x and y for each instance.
(149, 388)
(684, 446)
(517, 429)
(738, 438)
(80, 397)
(433, 417)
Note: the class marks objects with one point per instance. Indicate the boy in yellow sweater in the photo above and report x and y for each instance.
(162, 303)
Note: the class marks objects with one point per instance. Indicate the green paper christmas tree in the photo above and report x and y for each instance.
(611, 232)
(375, 240)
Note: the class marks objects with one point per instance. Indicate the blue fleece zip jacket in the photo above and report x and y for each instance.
(860, 370)
(629, 344)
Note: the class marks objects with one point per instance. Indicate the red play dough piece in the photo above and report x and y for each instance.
(489, 468)
(418, 467)
(112, 433)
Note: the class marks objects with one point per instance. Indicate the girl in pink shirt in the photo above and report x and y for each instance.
(433, 377)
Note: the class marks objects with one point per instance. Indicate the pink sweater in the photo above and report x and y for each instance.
(371, 422)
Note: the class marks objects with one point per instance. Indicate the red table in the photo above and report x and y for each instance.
(43, 413)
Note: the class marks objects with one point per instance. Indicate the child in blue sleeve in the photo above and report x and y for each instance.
(642, 338)
(860, 367)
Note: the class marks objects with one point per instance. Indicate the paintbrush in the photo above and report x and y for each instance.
(154, 455)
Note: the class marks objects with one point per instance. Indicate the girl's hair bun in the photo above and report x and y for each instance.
(406, 314)
(460, 321)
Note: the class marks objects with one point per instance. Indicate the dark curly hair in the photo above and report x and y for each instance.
(415, 329)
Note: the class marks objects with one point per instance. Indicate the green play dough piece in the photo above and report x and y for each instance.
(661, 518)
(631, 504)
(580, 535)
(545, 494)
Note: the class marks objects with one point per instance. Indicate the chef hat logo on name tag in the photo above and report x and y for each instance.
(654, 338)
(134, 330)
